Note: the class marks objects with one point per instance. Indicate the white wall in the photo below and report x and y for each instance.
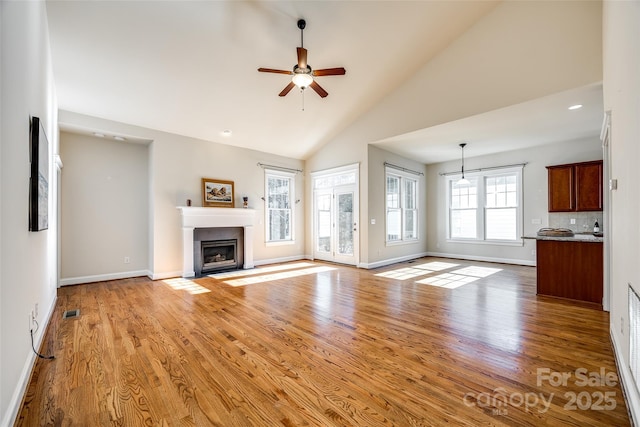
(104, 208)
(176, 166)
(28, 272)
(621, 85)
(534, 189)
(378, 251)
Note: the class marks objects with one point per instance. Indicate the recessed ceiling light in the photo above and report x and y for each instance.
(98, 134)
(575, 107)
(226, 132)
(119, 138)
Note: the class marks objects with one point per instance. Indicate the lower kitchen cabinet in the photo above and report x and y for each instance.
(570, 269)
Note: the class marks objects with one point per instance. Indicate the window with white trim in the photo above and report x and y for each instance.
(279, 190)
(401, 206)
(487, 208)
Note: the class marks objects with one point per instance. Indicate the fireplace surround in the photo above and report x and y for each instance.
(196, 219)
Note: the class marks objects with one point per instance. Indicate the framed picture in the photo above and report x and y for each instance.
(217, 193)
(39, 180)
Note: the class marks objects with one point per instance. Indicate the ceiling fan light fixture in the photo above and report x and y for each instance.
(302, 80)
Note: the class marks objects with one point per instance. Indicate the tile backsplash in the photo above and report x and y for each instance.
(584, 221)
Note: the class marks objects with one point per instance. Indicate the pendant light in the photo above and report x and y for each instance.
(463, 180)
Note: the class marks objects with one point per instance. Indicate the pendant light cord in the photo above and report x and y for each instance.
(462, 145)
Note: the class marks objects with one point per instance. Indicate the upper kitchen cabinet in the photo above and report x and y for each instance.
(575, 187)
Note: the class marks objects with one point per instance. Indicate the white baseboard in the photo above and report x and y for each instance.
(172, 274)
(103, 277)
(165, 275)
(13, 407)
(279, 260)
(391, 261)
(483, 258)
(632, 397)
(385, 262)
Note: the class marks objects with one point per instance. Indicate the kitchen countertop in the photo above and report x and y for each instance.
(577, 237)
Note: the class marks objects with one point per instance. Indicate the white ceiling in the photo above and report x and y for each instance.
(190, 68)
(539, 122)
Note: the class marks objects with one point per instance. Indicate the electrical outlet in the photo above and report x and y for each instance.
(572, 221)
(127, 260)
(32, 318)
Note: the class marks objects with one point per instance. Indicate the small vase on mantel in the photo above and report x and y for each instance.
(245, 202)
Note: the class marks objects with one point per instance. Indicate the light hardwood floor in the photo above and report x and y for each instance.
(318, 344)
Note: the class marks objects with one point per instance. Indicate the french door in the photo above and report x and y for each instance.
(336, 218)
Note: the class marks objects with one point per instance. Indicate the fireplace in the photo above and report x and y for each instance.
(216, 249)
(218, 255)
(200, 224)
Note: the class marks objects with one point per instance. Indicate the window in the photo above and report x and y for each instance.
(501, 207)
(402, 206)
(464, 209)
(488, 208)
(279, 210)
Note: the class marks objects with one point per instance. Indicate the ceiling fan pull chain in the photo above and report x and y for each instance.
(302, 90)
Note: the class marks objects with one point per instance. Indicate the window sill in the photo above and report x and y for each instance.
(488, 242)
(402, 242)
(280, 243)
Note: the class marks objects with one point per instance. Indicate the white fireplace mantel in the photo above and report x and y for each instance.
(200, 217)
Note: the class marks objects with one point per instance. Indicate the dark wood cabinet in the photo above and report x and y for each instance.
(562, 197)
(575, 187)
(570, 269)
(589, 186)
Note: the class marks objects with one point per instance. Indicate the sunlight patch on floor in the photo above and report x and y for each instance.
(476, 271)
(403, 273)
(182, 284)
(460, 277)
(277, 276)
(436, 266)
(260, 270)
(448, 280)
(416, 270)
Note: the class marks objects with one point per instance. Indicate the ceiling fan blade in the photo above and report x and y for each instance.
(271, 70)
(315, 86)
(302, 58)
(287, 89)
(330, 72)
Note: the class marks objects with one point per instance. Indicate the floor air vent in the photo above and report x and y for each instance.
(69, 314)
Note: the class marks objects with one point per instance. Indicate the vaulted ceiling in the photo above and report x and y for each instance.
(190, 68)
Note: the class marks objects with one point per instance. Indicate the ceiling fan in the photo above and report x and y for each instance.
(303, 75)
